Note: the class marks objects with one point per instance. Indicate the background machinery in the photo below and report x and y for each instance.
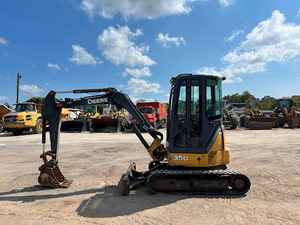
(109, 117)
(27, 117)
(95, 116)
(230, 119)
(286, 113)
(154, 112)
(195, 158)
(256, 119)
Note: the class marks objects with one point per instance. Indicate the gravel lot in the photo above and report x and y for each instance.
(96, 161)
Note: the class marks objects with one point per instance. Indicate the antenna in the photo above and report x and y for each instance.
(18, 86)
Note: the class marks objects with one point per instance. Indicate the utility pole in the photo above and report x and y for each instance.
(18, 86)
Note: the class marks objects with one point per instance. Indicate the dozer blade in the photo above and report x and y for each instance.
(51, 176)
(130, 180)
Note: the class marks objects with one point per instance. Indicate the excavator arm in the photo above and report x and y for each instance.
(52, 110)
(50, 174)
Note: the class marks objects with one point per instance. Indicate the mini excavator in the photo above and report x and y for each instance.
(195, 158)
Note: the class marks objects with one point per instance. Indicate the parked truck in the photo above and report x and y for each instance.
(27, 117)
(154, 112)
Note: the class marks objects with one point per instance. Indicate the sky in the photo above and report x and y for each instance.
(137, 46)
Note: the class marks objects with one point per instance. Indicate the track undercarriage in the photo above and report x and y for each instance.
(163, 178)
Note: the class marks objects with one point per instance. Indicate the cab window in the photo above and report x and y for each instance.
(181, 108)
(195, 98)
(213, 98)
(25, 108)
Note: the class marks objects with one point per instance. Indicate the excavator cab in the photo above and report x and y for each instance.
(194, 122)
(194, 114)
(285, 103)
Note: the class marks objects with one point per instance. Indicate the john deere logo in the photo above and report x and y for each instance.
(96, 101)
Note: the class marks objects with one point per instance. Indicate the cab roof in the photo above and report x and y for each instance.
(203, 76)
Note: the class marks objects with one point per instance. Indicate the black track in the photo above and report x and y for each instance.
(222, 182)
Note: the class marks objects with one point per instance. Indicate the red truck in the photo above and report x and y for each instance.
(154, 112)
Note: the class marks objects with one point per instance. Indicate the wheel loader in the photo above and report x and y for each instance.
(195, 157)
(286, 113)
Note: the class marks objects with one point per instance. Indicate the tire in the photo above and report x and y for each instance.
(234, 123)
(38, 127)
(119, 126)
(242, 121)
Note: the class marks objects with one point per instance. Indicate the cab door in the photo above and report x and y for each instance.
(195, 113)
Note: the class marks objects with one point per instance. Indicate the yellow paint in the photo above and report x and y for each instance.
(218, 155)
(21, 121)
(156, 145)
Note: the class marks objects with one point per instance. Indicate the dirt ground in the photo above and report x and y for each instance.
(96, 161)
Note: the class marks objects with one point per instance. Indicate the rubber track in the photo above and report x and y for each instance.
(216, 175)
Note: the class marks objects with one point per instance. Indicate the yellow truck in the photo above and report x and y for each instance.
(27, 117)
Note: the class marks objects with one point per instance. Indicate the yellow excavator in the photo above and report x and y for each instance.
(195, 157)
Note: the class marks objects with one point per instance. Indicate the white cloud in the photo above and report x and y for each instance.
(138, 72)
(54, 66)
(208, 71)
(140, 86)
(235, 34)
(138, 9)
(226, 3)
(31, 89)
(82, 57)
(166, 41)
(3, 99)
(118, 46)
(3, 41)
(226, 72)
(272, 40)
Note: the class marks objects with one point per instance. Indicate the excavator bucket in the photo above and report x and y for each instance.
(260, 123)
(50, 174)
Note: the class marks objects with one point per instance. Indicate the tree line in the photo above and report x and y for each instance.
(265, 103)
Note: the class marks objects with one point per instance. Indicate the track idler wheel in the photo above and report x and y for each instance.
(240, 184)
(50, 174)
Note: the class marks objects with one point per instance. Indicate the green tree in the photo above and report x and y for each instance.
(296, 100)
(235, 98)
(267, 103)
(36, 100)
(245, 97)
